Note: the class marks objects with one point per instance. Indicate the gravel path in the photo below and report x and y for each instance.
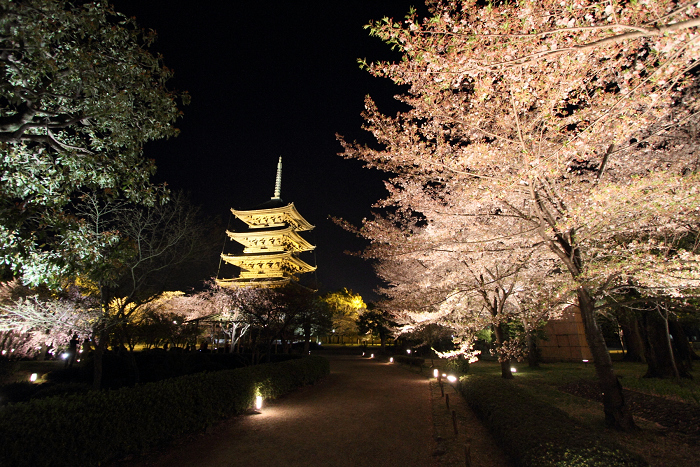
(366, 413)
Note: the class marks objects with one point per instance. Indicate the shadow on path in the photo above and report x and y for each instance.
(366, 413)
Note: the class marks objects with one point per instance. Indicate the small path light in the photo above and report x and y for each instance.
(258, 402)
(371, 356)
(391, 359)
(436, 373)
(408, 351)
(452, 378)
(513, 370)
(33, 377)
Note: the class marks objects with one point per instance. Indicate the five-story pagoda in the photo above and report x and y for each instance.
(271, 243)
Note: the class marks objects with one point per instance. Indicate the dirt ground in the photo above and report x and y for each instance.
(365, 413)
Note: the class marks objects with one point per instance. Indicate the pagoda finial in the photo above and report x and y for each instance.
(278, 180)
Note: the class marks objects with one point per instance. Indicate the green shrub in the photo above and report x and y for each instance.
(459, 365)
(96, 427)
(536, 434)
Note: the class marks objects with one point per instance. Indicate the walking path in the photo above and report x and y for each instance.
(365, 413)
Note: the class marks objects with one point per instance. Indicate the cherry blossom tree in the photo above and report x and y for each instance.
(569, 127)
(32, 322)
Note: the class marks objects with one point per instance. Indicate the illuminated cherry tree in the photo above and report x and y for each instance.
(565, 127)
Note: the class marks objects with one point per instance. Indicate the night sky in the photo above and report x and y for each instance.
(270, 79)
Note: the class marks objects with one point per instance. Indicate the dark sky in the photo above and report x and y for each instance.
(270, 79)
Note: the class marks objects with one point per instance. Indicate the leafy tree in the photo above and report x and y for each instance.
(80, 95)
(568, 128)
(346, 307)
(376, 321)
(128, 273)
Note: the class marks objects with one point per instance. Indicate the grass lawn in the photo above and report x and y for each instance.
(655, 443)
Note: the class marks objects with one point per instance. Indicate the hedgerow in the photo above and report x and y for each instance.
(413, 361)
(535, 434)
(96, 427)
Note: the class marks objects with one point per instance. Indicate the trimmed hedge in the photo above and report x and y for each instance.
(535, 434)
(413, 361)
(156, 365)
(93, 428)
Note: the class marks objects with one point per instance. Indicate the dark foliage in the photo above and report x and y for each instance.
(535, 434)
(99, 426)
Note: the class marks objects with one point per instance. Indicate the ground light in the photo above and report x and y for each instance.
(436, 373)
(371, 356)
(451, 378)
(33, 377)
(513, 370)
(408, 351)
(258, 402)
(391, 359)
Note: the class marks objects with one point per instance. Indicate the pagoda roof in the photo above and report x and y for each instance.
(276, 265)
(238, 282)
(275, 216)
(262, 241)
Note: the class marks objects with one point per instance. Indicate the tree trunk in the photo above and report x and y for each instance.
(659, 357)
(505, 364)
(631, 336)
(681, 344)
(98, 360)
(307, 336)
(617, 412)
(533, 359)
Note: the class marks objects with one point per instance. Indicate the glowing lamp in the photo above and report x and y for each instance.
(436, 373)
(391, 359)
(363, 354)
(585, 361)
(33, 377)
(408, 351)
(64, 356)
(451, 378)
(4, 352)
(258, 403)
(444, 375)
(371, 356)
(512, 369)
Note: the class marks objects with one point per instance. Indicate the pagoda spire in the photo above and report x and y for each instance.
(278, 180)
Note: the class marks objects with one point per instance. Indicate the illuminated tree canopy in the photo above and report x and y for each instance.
(80, 95)
(561, 134)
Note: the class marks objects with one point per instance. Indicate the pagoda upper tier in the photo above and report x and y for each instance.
(273, 217)
(269, 241)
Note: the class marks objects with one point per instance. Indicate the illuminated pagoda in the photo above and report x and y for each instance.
(271, 244)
